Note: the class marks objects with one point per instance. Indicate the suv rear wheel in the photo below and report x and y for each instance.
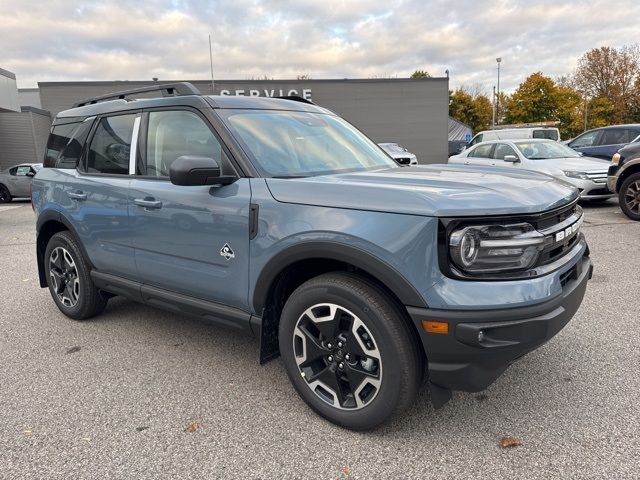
(348, 350)
(629, 197)
(69, 279)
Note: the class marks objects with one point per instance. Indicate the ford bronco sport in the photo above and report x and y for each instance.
(278, 218)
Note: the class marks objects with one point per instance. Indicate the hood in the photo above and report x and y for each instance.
(580, 164)
(433, 190)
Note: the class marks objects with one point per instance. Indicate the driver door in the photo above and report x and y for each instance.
(21, 180)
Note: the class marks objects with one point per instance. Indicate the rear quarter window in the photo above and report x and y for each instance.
(66, 143)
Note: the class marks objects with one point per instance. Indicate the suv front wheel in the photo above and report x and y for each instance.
(629, 197)
(348, 350)
(69, 279)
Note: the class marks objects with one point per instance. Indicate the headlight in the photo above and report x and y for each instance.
(615, 159)
(495, 248)
(572, 174)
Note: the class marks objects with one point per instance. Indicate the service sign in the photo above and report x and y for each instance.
(271, 92)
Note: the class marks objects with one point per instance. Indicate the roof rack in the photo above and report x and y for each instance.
(295, 98)
(167, 89)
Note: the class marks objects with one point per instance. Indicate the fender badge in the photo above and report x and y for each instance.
(226, 252)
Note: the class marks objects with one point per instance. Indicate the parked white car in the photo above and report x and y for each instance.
(545, 156)
(16, 181)
(549, 133)
(399, 153)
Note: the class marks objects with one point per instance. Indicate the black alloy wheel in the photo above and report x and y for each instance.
(629, 197)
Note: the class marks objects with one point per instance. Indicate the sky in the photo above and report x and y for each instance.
(58, 40)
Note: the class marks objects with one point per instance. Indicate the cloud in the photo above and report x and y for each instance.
(126, 40)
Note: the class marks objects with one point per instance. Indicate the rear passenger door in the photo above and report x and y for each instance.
(611, 140)
(193, 240)
(97, 193)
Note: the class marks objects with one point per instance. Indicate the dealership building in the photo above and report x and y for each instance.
(411, 112)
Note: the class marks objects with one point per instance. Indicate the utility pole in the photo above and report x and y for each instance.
(211, 62)
(499, 60)
(493, 109)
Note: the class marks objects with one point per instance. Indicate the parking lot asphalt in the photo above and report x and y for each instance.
(141, 393)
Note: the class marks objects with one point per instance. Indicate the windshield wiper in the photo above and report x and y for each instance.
(290, 176)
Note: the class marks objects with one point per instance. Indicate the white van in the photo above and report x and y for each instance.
(550, 133)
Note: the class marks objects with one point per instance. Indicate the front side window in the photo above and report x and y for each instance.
(287, 143)
(482, 151)
(477, 139)
(586, 140)
(502, 150)
(175, 133)
(110, 145)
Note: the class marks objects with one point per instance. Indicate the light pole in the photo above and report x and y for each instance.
(499, 60)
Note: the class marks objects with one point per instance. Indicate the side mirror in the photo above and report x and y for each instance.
(581, 154)
(190, 170)
(511, 159)
(30, 174)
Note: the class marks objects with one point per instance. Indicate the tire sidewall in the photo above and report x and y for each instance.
(63, 240)
(621, 196)
(390, 390)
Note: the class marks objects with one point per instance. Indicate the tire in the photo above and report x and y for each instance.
(69, 279)
(629, 197)
(342, 331)
(5, 196)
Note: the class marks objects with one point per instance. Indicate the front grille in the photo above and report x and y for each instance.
(562, 230)
(598, 177)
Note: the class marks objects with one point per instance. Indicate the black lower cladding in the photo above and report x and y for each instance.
(480, 345)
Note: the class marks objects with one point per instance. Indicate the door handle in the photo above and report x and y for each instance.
(466, 163)
(148, 203)
(81, 196)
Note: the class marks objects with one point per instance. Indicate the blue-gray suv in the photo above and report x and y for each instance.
(278, 218)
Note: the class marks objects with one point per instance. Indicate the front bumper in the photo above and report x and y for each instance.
(465, 360)
(590, 190)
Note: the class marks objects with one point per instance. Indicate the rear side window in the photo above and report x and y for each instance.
(615, 136)
(110, 145)
(548, 134)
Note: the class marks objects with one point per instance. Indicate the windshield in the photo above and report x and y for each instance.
(545, 150)
(300, 144)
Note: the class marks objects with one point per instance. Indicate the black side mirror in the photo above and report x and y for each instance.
(31, 174)
(190, 170)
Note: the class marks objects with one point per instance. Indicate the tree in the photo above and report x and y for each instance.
(472, 109)
(535, 100)
(420, 74)
(613, 74)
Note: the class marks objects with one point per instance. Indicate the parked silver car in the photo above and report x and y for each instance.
(399, 153)
(545, 156)
(15, 181)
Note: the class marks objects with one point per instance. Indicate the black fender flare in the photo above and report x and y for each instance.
(318, 249)
(44, 218)
(631, 165)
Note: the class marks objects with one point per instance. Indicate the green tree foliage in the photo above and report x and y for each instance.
(420, 74)
(472, 109)
(535, 100)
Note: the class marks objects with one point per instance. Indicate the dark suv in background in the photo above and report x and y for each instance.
(624, 179)
(606, 141)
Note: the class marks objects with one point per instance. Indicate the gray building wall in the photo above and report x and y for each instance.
(412, 112)
(23, 136)
(8, 92)
(29, 97)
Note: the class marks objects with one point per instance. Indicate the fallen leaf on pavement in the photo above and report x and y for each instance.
(509, 442)
(345, 471)
(27, 432)
(192, 427)
(87, 439)
(73, 349)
